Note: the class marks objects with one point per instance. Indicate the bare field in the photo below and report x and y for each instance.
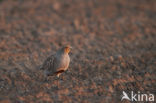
(114, 49)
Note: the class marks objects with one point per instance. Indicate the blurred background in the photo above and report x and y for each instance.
(113, 44)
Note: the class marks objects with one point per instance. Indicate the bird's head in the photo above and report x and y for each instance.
(67, 49)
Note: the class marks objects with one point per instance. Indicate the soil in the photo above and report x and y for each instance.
(114, 49)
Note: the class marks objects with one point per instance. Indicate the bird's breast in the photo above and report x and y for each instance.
(63, 61)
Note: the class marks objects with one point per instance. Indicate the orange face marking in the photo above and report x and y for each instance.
(67, 49)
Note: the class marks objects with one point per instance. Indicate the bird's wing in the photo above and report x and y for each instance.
(48, 63)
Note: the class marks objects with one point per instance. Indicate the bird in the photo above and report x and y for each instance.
(57, 63)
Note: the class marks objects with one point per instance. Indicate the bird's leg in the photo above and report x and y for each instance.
(58, 74)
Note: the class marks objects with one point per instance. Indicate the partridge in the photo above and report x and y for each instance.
(58, 63)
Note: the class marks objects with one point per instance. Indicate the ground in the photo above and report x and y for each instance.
(114, 49)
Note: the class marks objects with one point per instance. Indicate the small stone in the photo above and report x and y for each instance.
(112, 58)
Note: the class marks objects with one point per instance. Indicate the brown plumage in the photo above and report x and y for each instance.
(57, 63)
